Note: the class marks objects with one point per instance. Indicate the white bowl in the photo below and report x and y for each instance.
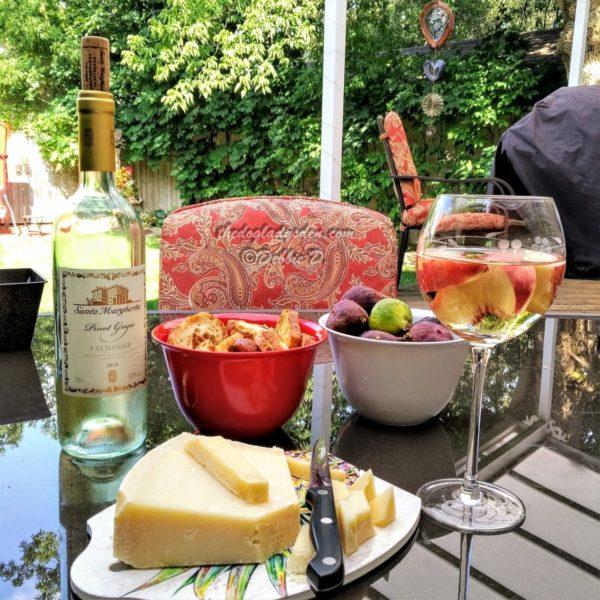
(397, 383)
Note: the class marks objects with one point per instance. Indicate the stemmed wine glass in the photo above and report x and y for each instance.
(489, 267)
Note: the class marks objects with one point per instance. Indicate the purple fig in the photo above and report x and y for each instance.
(427, 331)
(374, 334)
(430, 320)
(363, 296)
(348, 317)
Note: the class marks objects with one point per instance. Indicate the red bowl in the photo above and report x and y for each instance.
(241, 395)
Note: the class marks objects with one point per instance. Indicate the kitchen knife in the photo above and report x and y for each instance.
(325, 572)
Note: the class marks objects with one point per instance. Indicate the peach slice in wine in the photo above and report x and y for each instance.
(503, 291)
(549, 278)
(435, 274)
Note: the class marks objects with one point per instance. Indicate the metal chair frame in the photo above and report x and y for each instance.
(503, 186)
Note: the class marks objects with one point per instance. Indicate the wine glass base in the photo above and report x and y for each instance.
(492, 510)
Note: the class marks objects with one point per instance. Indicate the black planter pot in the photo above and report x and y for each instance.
(20, 295)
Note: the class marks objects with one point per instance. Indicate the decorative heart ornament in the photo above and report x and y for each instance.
(433, 69)
(437, 23)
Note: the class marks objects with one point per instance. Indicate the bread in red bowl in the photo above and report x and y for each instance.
(242, 395)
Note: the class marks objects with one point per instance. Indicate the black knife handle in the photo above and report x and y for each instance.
(325, 572)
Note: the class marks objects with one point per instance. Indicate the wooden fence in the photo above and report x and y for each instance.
(156, 188)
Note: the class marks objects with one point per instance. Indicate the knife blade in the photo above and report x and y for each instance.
(325, 572)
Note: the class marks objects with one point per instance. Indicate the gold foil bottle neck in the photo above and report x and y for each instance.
(95, 101)
(96, 131)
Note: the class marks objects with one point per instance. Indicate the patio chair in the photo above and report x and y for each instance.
(273, 252)
(407, 183)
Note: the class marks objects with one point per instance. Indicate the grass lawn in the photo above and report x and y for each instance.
(35, 251)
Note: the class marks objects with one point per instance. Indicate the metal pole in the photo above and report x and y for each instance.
(579, 46)
(548, 362)
(332, 115)
(332, 122)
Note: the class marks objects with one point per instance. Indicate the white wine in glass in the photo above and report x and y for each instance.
(489, 267)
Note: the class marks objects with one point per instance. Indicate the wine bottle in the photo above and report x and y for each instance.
(99, 290)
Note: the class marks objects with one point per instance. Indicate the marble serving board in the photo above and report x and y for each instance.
(97, 575)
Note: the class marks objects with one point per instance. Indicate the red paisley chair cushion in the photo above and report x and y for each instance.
(273, 252)
(402, 157)
(415, 215)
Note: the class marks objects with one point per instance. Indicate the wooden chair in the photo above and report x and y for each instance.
(407, 183)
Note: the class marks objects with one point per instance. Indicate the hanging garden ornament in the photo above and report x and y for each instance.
(430, 131)
(437, 23)
(433, 69)
(432, 105)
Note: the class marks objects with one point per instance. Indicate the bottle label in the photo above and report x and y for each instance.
(103, 327)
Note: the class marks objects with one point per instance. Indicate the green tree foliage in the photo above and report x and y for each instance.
(230, 92)
(39, 63)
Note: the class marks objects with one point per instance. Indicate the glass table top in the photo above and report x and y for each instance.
(552, 463)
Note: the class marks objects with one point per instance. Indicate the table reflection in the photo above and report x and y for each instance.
(85, 488)
(21, 393)
(404, 456)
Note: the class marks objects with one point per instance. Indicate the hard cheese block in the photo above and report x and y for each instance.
(302, 552)
(172, 512)
(225, 461)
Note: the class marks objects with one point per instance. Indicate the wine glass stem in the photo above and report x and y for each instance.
(466, 539)
(470, 488)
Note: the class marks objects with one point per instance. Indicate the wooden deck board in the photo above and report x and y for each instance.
(576, 298)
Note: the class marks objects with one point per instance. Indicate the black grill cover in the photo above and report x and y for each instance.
(555, 151)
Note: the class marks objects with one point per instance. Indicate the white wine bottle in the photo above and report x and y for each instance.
(99, 291)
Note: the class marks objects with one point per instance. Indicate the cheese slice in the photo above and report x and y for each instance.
(302, 552)
(348, 526)
(172, 512)
(383, 508)
(226, 463)
(340, 490)
(362, 511)
(365, 483)
(300, 468)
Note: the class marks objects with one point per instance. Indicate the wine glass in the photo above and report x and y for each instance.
(489, 267)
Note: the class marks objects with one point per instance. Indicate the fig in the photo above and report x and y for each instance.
(374, 334)
(427, 331)
(391, 315)
(348, 317)
(244, 345)
(363, 296)
(430, 320)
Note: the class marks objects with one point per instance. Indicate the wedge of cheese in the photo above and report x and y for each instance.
(225, 462)
(340, 490)
(302, 552)
(362, 510)
(383, 508)
(300, 468)
(348, 526)
(365, 483)
(172, 512)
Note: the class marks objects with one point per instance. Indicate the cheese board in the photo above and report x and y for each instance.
(97, 575)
